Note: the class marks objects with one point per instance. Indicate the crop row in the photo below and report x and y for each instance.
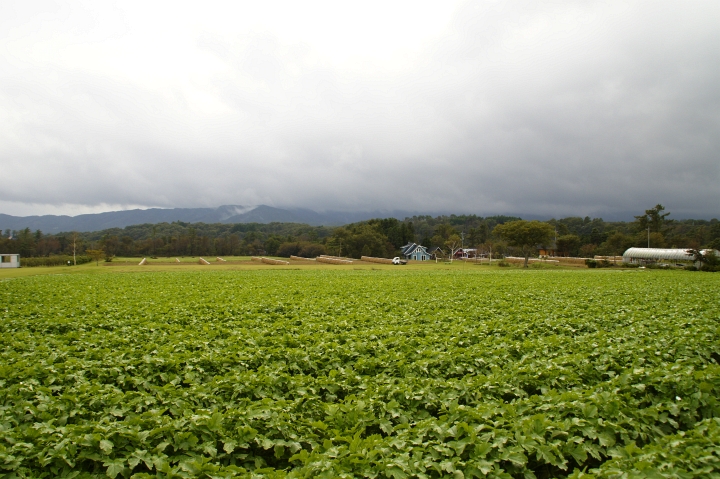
(360, 374)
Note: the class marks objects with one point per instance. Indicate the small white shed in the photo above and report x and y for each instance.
(9, 260)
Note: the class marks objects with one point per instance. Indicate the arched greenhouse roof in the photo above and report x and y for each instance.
(658, 253)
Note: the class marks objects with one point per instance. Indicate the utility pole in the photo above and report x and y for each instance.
(648, 236)
(154, 229)
(74, 238)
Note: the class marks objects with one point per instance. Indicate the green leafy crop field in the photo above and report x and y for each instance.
(389, 373)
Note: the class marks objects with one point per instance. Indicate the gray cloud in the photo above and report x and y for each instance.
(560, 109)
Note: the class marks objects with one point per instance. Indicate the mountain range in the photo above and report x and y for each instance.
(52, 224)
(223, 214)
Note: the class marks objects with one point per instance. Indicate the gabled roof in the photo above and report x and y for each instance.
(407, 247)
(413, 249)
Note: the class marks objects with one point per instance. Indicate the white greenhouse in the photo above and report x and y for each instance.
(650, 255)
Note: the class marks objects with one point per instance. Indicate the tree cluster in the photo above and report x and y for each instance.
(165, 239)
(586, 237)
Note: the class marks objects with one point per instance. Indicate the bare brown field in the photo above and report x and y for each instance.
(244, 263)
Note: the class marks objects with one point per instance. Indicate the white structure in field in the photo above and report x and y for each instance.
(645, 255)
(9, 260)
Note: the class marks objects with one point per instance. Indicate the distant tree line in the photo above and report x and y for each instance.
(572, 236)
(166, 239)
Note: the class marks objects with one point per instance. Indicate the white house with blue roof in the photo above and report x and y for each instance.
(415, 252)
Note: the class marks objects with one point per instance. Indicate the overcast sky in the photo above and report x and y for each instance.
(545, 108)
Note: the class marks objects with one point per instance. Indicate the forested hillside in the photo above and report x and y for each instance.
(574, 236)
